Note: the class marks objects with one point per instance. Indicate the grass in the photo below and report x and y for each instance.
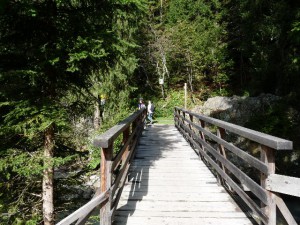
(164, 120)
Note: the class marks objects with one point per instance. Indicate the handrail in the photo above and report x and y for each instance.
(213, 149)
(85, 209)
(256, 136)
(114, 169)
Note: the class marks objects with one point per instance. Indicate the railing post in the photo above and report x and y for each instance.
(105, 169)
(268, 157)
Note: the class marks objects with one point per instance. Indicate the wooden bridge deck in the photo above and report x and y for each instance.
(169, 184)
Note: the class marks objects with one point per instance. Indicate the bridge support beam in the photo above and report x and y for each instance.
(268, 157)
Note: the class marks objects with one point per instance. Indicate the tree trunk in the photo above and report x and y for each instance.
(48, 207)
(97, 116)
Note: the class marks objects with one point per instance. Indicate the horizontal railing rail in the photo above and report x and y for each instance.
(208, 137)
(114, 166)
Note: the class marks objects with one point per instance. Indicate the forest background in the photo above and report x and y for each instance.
(60, 60)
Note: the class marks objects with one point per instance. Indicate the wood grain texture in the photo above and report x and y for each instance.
(283, 184)
(168, 184)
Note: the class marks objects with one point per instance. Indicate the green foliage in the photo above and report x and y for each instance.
(264, 45)
(165, 107)
(187, 44)
(281, 121)
(54, 56)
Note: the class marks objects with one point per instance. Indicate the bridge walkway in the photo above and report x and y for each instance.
(169, 184)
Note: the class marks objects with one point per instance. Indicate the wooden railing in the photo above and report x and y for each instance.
(211, 139)
(115, 162)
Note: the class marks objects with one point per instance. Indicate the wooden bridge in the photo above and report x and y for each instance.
(190, 173)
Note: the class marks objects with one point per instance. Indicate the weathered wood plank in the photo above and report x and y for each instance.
(283, 184)
(106, 181)
(84, 210)
(166, 196)
(181, 221)
(166, 184)
(169, 185)
(199, 215)
(177, 189)
(174, 206)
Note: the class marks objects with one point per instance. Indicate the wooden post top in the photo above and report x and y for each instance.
(106, 139)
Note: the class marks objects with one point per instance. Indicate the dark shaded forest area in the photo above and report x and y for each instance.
(64, 62)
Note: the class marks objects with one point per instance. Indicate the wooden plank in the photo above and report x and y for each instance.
(164, 184)
(84, 210)
(106, 180)
(166, 196)
(200, 215)
(168, 163)
(262, 138)
(166, 177)
(175, 206)
(177, 189)
(170, 186)
(267, 156)
(180, 221)
(283, 184)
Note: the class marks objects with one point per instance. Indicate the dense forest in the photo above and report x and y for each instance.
(69, 69)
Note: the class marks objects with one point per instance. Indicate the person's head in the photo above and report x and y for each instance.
(149, 102)
(141, 100)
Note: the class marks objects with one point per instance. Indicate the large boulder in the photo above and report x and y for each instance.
(236, 109)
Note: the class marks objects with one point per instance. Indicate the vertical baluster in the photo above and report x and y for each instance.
(268, 157)
(125, 138)
(176, 117)
(202, 136)
(221, 150)
(191, 131)
(190, 125)
(105, 169)
(183, 122)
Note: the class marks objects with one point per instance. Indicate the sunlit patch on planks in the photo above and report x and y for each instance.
(169, 184)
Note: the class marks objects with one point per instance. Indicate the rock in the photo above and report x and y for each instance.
(77, 192)
(93, 181)
(236, 109)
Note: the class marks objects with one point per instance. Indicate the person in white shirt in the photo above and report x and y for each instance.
(150, 112)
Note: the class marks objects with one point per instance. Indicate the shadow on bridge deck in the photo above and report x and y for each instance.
(169, 184)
